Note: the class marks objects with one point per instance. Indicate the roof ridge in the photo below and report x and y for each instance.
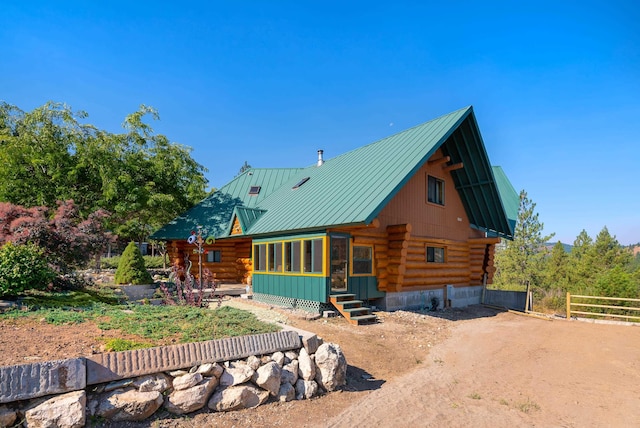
(469, 107)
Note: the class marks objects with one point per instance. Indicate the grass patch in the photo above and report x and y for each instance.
(475, 396)
(188, 323)
(85, 298)
(117, 345)
(154, 324)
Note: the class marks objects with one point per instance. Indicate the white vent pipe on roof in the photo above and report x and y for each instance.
(320, 159)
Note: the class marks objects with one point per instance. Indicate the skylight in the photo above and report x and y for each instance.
(254, 190)
(301, 182)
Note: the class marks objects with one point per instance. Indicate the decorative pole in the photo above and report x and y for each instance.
(196, 239)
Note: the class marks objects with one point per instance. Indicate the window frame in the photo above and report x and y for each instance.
(213, 257)
(290, 256)
(354, 261)
(438, 198)
(260, 257)
(435, 258)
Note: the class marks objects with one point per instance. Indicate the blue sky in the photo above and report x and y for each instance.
(555, 85)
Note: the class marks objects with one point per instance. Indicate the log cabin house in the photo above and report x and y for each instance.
(410, 221)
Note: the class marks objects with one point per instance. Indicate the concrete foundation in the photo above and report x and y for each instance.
(431, 299)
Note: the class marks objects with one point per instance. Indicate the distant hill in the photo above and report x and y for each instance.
(550, 245)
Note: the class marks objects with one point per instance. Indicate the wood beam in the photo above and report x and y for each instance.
(439, 160)
(453, 167)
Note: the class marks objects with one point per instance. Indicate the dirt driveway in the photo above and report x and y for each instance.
(460, 368)
(467, 368)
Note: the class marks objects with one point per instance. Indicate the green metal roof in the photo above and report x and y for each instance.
(246, 216)
(475, 182)
(510, 198)
(215, 211)
(354, 187)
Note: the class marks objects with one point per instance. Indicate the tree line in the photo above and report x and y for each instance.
(595, 267)
(139, 178)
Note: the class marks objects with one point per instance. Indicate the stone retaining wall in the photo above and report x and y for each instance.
(132, 385)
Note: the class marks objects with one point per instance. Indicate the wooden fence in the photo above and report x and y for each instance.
(632, 310)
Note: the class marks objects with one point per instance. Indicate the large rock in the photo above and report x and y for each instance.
(236, 375)
(237, 397)
(253, 362)
(7, 416)
(306, 389)
(158, 382)
(290, 356)
(278, 357)
(331, 366)
(286, 393)
(211, 369)
(186, 381)
(191, 399)
(61, 411)
(269, 377)
(129, 406)
(306, 366)
(290, 373)
(26, 381)
(311, 342)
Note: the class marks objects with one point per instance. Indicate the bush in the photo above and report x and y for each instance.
(153, 262)
(131, 268)
(150, 262)
(23, 267)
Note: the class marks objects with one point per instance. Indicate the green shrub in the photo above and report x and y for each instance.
(110, 262)
(131, 269)
(153, 262)
(23, 267)
(150, 262)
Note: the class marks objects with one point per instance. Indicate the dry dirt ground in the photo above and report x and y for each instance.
(475, 367)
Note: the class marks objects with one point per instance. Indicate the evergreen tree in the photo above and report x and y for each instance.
(131, 269)
(520, 262)
(580, 271)
(608, 252)
(556, 268)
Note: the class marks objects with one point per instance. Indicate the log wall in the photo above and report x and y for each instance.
(235, 259)
(401, 261)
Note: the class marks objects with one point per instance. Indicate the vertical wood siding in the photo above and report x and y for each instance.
(428, 219)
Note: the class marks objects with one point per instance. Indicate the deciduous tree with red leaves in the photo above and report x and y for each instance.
(67, 240)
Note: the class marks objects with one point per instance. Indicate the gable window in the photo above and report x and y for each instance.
(214, 256)
(435, 190)
(254, 190)
(435, 255)
(362, 260)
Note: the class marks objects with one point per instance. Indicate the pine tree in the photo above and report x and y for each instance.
(520, 263)
(580, 271)
(556, 268)
(131, 269)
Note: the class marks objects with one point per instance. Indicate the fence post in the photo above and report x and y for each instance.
(568, 305)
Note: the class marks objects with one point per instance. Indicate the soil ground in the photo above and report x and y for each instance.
(474, 367)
